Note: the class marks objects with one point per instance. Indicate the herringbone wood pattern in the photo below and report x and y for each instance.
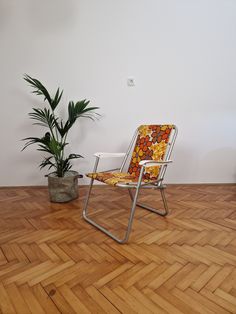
(51, 261)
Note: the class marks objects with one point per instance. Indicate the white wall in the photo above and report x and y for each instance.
(181, 53)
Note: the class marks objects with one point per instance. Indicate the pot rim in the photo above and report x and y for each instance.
(72, 172)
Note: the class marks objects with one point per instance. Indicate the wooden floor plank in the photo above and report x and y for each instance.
(17, 299)
(6, 305)
(52, 261)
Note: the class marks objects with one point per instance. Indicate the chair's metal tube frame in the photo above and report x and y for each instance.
(134, 197)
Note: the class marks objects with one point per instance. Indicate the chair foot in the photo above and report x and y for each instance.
(162, 213)
(104, 230)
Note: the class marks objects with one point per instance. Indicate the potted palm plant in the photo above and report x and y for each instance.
(62, 181)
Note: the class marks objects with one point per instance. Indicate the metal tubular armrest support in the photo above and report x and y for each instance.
(153, 163)
(107, 155)
(159, 185)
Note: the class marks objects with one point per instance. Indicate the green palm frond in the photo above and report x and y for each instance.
(44, 117)
(47, 163)
(79, 109)
(75, 111)
(39, 89)
(56, 99)
(44, 141)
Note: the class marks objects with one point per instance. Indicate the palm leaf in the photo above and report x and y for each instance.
(44, 117)
(47, 162)
(56, 99)
(39, 89)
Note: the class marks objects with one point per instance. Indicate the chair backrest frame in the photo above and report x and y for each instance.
(168, 152)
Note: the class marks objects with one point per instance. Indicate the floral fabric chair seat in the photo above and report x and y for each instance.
(114, 178)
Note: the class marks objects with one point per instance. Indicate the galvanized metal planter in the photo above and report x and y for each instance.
(63, 189)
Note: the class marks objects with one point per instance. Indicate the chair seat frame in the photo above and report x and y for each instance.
(136, 187)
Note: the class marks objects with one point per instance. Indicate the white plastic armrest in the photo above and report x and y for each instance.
(109, 155)
(151, 163)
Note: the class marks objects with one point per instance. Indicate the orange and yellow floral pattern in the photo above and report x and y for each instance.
(113, 178)
(151, 144)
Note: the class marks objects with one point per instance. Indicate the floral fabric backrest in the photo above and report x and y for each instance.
(151, 144)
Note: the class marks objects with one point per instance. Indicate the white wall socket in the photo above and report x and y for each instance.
(130, 81)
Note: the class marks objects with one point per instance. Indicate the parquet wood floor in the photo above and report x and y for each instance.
(52, 261)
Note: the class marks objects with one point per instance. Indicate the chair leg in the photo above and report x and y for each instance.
(130, 221)
(152, 209)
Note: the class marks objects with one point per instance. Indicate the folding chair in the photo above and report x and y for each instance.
(152, 146)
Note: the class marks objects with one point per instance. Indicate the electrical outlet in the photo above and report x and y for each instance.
(130, 81)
